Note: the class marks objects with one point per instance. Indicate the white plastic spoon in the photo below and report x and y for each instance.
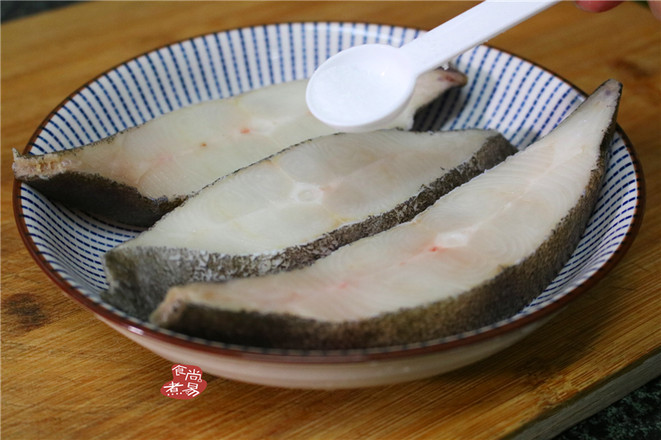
(365, 87)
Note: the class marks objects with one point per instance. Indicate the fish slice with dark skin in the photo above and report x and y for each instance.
(478, 255)
(294, 207)
(139, 174)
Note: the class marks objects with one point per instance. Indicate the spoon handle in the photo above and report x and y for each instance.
(467, 30)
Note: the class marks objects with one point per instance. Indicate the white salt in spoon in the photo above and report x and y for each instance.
(365, 87)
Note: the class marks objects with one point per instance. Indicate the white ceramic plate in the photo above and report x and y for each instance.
(520, 99)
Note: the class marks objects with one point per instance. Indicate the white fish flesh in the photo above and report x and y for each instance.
(137, 175)
(478, 255)
(298, 205)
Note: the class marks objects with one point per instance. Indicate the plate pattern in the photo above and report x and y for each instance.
(504, 92)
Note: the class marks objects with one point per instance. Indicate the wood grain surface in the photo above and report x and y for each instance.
(66, 375)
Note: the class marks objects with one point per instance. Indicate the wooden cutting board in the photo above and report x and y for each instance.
(66, 375)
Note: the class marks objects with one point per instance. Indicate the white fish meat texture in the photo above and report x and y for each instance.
(137, 175)
(287, 210)
(478, 255)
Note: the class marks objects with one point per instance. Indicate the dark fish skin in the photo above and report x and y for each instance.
(496, 299)
(105, 197)
(141, 276)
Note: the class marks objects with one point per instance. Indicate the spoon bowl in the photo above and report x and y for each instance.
(371, 84)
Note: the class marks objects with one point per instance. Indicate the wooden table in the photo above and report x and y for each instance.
(66, 375)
